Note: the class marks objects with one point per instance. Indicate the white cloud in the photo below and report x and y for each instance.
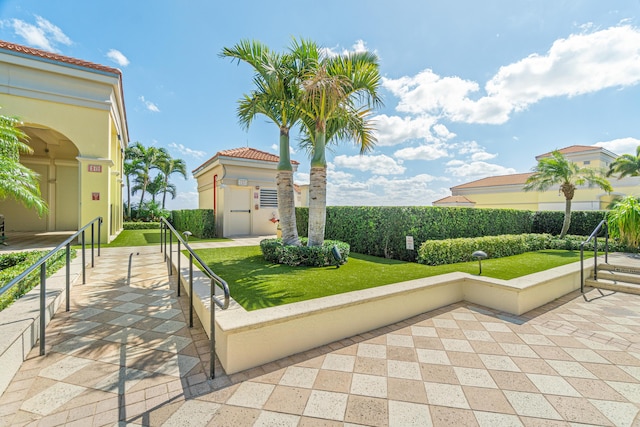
(187, 151)
(43, 35)
(378, 164)
(301, 178)
(620, 146)
(580, 64)
(394, 130)
(478, 152)
(149, 105)
(476, 169)
(183, 200)
(482, 155)
(118, 57)
(276, 149)
(422, 152)
(381, 191)
(358, 47)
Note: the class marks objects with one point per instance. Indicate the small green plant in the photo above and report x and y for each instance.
(12, 265)
(624, 221)
(312, 256)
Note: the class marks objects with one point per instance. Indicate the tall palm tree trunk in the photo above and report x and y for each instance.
(567, 218)
(286, 201)
(318, 190)
(164, 191)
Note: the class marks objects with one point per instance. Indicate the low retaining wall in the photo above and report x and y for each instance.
(248, 339)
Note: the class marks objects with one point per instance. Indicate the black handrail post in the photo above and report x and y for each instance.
(84, 262)
(595, 258)
(68, 275)
(582, 268)
(162, 227)
(170, 254)
(43, 300)
(190, 290)
(606, 243)
(179, 273)
(93, 238)
(99, 228)
(212, 341)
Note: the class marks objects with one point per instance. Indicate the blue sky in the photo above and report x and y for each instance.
(471, 89)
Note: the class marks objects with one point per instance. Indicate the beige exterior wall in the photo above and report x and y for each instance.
(76, 124)
(239, 182)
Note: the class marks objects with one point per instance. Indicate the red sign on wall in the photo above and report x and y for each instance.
(95, 196)
(95, 168)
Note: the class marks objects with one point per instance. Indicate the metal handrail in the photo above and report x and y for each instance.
(594, 235)
(214, 279)
(42, 263)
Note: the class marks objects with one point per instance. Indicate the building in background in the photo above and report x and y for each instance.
(506, 191)
(73, 112)
(240, 186)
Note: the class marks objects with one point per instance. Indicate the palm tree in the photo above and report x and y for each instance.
(626, 165)
(276, 94)
(132, 167)
(555, 170)
(155, 187)
(149, 158)
(624, 221)
(168, 167)
(17, 181)
(337, 96)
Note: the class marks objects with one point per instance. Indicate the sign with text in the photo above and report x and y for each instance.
(409, 241)
(94, 168)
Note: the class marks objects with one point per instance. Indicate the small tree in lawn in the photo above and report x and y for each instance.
(624, 221)
(557, 170)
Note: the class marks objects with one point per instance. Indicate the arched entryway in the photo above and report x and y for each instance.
(54, 158)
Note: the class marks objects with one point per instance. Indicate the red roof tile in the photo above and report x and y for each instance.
(491, 181)
(245, 153)
(56, 57)
(572, 149)
(454, 199)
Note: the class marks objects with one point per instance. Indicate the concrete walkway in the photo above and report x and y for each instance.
(124, 354)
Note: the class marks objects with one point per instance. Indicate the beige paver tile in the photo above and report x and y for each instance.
(446, 395)
(608, 372)
(467, 360)
(406, 390)
(474, 377)
(406, 354)
(595, 389)
(447, 416)
(629, 390)
(428, 342)
(368, 365)
(369, 411)
(408, 414)
(369, 385)
(401, 369)
(578, 410)
(291, 400)
(269, 419)
(50, 399)
(531, 405)
(372, 350)
(492, 419)
(438, 357)
(333, 381)
(193, 413)
(326, 404)
(235, 416)
(618, 413)
(438, 374)
(295, 376)
(250, 394)
(339, 362)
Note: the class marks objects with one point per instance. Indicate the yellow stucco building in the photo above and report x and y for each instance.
(73, 112)
(506, 191)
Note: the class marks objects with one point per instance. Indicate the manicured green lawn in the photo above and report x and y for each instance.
(144, 238)
(256, 284)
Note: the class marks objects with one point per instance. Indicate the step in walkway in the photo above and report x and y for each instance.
(124, 354)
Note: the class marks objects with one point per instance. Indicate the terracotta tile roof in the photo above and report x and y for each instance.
(454, 199)
(244, 153)
(491, 181)
(572, 149)
(56, 57)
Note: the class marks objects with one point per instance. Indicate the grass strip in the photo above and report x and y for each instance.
(256, 283)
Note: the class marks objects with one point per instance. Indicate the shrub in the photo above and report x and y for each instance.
(14, 264)
(200, 222)
(582, 222)
(449, 251)
(141, 226)
(312, 256)
(382, 230)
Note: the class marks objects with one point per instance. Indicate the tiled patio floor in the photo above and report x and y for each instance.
(125, 355)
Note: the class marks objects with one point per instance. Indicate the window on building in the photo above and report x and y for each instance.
(268, 198)
(587, 162)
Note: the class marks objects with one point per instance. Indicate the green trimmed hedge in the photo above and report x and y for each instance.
(449, 251)
(200, 222)
(382, 230)
(582, 222)
(13, 264)
(312, 256)
(139, 225)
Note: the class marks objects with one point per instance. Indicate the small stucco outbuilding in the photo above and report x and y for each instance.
(73, 113)
(240, 186)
